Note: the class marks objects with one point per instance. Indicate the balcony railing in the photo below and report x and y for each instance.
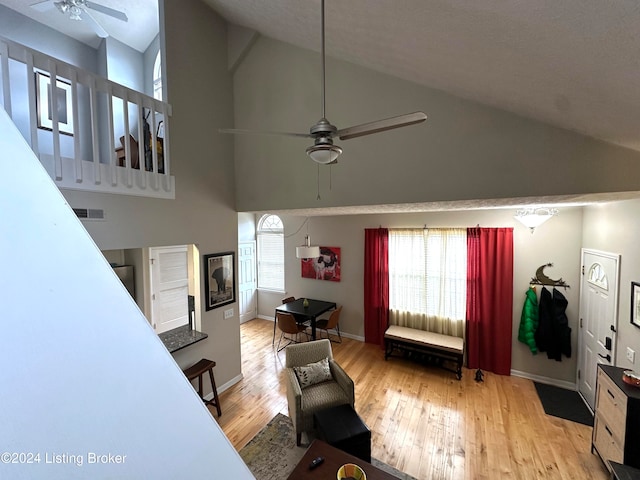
(101, 137)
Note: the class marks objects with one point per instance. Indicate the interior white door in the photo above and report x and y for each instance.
(169, 287)
(247, 281)
(598, 318)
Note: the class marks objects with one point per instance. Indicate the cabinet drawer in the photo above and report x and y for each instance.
(608, 446)
(612, 405)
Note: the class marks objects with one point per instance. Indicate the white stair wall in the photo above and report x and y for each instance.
(81, 370)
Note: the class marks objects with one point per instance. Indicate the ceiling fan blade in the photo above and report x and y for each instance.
(262, 132)
(42, 6)
(381, 125)
(107, 11)
(101, 32)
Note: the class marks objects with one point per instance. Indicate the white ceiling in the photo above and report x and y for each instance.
(138, 32)
(570, 63)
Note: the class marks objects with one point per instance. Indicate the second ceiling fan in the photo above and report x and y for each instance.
(323, 151)
(79, 10)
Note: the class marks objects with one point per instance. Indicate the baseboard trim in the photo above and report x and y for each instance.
(549, 381)
(344, 334)
(353, 337)
(225, 386)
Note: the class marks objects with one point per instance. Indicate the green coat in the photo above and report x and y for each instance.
(529, 320)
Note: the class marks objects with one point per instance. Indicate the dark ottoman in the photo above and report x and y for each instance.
(342, 427)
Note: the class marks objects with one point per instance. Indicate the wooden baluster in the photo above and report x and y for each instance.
(55, 127)
(6, 86)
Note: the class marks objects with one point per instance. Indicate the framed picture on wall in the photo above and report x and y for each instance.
(219, 279)
(635, 303)
(63, 104)
(325, 267)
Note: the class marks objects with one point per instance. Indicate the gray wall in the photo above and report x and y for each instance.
(463, 151)
(614, 228)
(46, 40)
(203, 212)
(558, 241)
(124, 65)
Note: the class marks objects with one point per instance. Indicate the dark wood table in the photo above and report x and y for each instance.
(623, 472)
(333, 460)
(302, 313)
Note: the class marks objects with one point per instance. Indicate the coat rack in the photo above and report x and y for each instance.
(542, 279)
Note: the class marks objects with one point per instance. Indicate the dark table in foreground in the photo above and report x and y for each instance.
(312, 312)
(333, 460)
(623, 472)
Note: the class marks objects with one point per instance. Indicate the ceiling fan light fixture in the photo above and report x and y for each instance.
(62, 6)
(324, 153)
(75, 13)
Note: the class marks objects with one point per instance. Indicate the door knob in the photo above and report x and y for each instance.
(607, 357)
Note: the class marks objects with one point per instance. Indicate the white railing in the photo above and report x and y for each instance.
(83, 142)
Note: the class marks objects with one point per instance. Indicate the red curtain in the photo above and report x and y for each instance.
(489, 298)
(376, 284)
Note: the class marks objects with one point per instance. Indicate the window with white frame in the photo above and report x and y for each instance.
(428, 278)
(157, 78)
(270, 236)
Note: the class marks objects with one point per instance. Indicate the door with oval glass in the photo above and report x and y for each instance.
(598, 318)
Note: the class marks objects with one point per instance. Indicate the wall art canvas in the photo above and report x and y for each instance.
(325, 267)
(63, 104)
(219, 279)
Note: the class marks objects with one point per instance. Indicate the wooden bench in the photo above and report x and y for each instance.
(444, 347)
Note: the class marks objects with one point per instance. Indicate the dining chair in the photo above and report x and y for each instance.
(288, 325)
(275, 320)
(331, 323)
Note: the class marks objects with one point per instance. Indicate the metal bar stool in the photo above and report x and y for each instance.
(198, 370)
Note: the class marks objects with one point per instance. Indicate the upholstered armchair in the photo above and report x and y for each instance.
(336, 389)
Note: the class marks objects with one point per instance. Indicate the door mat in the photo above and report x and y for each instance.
(563, 403)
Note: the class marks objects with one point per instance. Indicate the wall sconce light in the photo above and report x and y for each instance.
(534, 217)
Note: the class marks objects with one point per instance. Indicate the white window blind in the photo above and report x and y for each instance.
(428, 279)
(271, 253)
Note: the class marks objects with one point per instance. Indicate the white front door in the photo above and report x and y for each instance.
(247, 281)
(598, 318)
(169, 287)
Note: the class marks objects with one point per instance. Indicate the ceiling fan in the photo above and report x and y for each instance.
(323, 151)
(79, 10)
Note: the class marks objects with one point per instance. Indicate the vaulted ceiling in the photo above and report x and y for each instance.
(571, 63)
(574, 64)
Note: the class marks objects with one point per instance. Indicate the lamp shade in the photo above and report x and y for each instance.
(324, 153)
(307, 250)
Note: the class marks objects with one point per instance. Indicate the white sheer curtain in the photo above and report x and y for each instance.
(428, 279)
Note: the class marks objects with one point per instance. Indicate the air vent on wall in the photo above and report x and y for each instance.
(89, 213)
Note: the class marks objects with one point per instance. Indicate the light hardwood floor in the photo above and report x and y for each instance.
(423, 421)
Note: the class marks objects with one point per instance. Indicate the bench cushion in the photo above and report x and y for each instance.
(429, 339)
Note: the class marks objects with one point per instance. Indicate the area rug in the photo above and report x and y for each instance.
(563, 403)
(272, 454)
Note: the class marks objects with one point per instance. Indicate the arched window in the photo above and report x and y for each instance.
(157, 78)
(270, 253)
